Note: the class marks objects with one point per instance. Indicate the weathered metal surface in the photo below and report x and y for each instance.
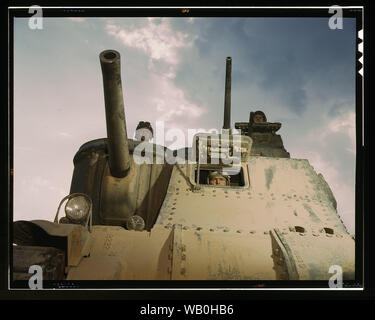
(141, 192)
(277, 193)
(265, 142)
(74, 239)
(51, 260)
(309, 255)
(175, 254)
(119, 160)
(201, 254)
(126, 255)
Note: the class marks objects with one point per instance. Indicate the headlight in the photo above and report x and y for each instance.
(77, 208)
(135, 223)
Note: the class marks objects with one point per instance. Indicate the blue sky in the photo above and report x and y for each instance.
(297, 70)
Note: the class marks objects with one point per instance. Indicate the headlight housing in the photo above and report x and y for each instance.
(77, 208)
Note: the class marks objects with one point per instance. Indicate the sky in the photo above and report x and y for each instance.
(297, 70)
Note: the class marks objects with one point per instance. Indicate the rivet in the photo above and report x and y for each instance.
(185, 228)
(226, 230)
(199, 228)
(252, 231)
(239, 231)
(212, 230)
(183, 257)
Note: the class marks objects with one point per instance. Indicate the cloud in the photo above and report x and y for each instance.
(161, 45)
(157, 39)
(343, 124)
(172, 104)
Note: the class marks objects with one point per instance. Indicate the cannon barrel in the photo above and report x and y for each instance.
(227, 101)
(119, 160)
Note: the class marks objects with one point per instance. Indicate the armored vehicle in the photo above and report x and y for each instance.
(237, 207)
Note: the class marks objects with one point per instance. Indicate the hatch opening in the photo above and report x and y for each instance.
(212, 177)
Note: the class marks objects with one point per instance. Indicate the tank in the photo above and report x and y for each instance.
(235, 207)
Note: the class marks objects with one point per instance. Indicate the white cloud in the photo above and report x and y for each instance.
(161, 45)
(172, 103)
(344, 124)
(157, 40)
